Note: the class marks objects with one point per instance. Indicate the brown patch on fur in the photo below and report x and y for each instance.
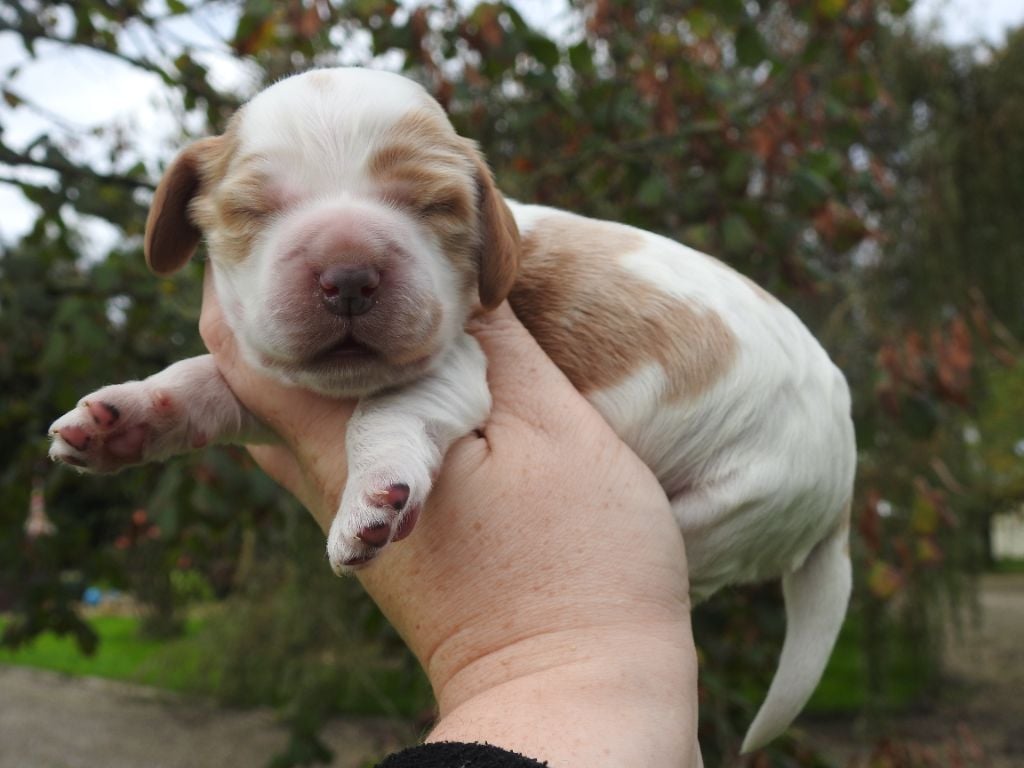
(235, 209)
(423, 166)
(599, 323)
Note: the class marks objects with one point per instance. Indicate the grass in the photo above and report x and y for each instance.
(1008, 565)
(182, 665)
(123, 654)
(177, 665)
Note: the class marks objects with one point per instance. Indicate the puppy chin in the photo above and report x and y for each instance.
(355, 381)
(345, 376)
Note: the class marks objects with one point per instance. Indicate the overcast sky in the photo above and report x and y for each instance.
(87, 89)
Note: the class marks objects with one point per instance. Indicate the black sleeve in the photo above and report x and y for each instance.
(454, 754)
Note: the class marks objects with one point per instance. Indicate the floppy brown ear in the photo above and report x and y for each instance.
(171, 236)
(499, 242)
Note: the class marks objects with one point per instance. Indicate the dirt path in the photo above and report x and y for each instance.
(978, 721)
(48, 720)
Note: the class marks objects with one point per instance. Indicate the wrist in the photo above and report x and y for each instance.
(612, 696)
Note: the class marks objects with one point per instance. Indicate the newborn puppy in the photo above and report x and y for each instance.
(353, 232)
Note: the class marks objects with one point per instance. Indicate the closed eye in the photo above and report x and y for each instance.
(245, 211)
(426, 207)
(448, 207)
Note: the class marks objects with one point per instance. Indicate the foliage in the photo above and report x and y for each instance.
(864, 175)
(323, 648)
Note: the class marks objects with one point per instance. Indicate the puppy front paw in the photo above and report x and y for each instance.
(376, 509)
(120, 426)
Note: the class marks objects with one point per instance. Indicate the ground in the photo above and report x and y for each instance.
(48, 720)
(978, 719)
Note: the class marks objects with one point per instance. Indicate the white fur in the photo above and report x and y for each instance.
(402, 437)
(759, 468)
(185, 406)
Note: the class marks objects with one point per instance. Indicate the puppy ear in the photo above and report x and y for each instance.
(499, 239)
(171, 236)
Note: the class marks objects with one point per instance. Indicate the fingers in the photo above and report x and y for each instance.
(523, 381)
(212, 327)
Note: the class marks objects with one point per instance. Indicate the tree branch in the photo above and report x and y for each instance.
(17, 159)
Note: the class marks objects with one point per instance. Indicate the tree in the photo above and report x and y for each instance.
(817, 146)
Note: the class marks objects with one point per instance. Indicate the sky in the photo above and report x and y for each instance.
(961, 22)
(88, 89)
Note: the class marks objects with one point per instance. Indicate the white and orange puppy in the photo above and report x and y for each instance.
(353, 233)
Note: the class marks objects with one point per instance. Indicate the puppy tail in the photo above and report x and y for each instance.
(816, 596)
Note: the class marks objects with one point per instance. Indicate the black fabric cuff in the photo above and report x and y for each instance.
(455, 754)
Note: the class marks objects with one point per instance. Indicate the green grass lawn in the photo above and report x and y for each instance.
(182, 665)
(1009, 566)
(123, 654)
(176, 665)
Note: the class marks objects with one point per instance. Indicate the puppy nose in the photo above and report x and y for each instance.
(349, 290)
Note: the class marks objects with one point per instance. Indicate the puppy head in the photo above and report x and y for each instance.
(351, 229)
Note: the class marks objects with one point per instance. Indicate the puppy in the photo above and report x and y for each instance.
(353, 233)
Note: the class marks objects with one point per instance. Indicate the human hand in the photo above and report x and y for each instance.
(544, 588)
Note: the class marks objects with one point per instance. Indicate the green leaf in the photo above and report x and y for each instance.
(737, 171)
(750, 48)
(729, 11)
(700, 22)
(831, 9)
(884, 580)
(581, 58)
(810, 188)
(737, 236)
(544, 50)
(899, 7)
(698, 236)
(652, 190)
(924, 517)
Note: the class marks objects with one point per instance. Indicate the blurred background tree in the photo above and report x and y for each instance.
(870, 177)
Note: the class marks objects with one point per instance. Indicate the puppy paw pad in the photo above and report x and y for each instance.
(376, 535)
(407, 523)
(394, 496)
(76, 437)
(163, 403)
(128, 445)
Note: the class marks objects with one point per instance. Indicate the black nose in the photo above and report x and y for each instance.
(349, 290)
